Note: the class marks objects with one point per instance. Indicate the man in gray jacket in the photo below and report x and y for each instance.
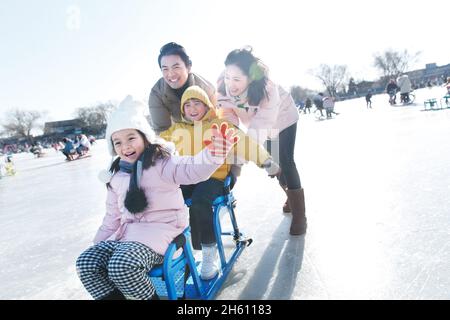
(405, 87)
(165, 97)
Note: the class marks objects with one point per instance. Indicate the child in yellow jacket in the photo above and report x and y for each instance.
(189, 137)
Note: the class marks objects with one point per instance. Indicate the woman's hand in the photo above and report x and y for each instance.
(272, 168)
(224, 102)
(225, 109)
(221, 141)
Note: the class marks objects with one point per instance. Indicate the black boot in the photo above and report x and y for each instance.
(116, 294)
(155, 296)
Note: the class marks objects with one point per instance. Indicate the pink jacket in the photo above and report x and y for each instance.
(166, 215)
(266, 120)
(328, 103)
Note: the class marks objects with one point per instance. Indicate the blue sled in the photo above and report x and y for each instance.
(178, 278)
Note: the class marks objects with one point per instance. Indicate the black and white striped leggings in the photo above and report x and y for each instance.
(122, 265)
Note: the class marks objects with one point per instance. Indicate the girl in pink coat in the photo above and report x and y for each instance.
(247, 96)
(145, 209)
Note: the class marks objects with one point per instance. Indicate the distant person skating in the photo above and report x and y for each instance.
(84, 145)
(6, 165)
(447, 85)
(9, 165)
(446, 98)
(56, 146)
(69, 149)
(318, 102)
(404, 84)
(392, 89)
(37, 150)
(91, 139)
(301, 106)
(368, 99)
(328, 104)
(308, 105)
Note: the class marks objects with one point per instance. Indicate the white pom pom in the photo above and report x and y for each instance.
(105, 176)
(170, 147)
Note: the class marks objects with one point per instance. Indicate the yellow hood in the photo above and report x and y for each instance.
(195, 92)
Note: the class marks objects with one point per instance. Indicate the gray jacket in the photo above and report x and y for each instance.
(164, 105)
(404, 83)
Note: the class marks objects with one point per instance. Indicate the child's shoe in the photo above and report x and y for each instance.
(210, 261)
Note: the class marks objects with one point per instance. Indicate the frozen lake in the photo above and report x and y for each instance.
(377, 189)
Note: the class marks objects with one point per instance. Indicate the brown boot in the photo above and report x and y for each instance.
(296, 199)
(286, 207)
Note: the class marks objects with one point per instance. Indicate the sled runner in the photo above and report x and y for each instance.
(75, 157)
(179, 278)
(445, 101)
(409, 100)
(431, 104)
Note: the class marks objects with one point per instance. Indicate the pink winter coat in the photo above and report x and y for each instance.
(166, 215)
(266, 120)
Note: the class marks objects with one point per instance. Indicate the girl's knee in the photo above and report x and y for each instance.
(117, 271)
(87, 263)
(80, 264)
(122, 265)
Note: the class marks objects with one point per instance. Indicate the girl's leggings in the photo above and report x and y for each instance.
(122, 265)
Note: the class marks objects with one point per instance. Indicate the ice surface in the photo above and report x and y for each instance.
(376, 183)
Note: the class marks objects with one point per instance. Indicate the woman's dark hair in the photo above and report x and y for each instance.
(152, 152)
(173, 48)
(254, 69)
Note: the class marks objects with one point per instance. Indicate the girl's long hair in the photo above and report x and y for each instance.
(254, 69)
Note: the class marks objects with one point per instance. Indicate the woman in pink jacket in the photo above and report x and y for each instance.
(145, 209)
(247, 96)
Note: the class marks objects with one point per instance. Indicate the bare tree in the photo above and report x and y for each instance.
(20, 123)
(95, 118)
(332, 77)
(352, 88)
(393, 63)
(300, 94)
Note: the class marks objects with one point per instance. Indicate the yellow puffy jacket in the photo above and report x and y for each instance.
(188, 138)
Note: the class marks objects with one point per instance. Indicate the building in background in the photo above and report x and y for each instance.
(64, 127)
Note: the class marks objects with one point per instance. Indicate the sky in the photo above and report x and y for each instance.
(57, 56)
